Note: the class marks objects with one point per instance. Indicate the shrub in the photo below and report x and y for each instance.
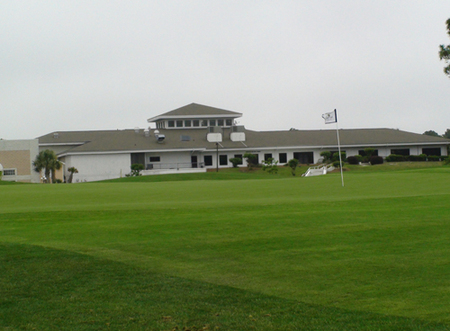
(352, 160)
(433, 158)
(336, 164)
(251, 160)
(236, 161)
(395, 158)
(326, 156)
(421, 157)
(270, 165)
(136, 169)
(369, 152)
(293, 165)
(374, 159)
(336, 157)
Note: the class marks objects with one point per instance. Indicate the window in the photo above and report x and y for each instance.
(229, 122)
(400, 151)
(267, 156)
(238, 156)
(220, 122)
(208, 160)
(171, 124)
(282, 157)
(304, 157)
(212, 122)
(204, 123)
(223, 159)
(187, 123)
(431, 151)
(179, 124)
(9, 172)
(155, 158)
(196, 123)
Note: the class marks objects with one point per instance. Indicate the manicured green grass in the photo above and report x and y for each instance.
(222, 174)
(288, 254)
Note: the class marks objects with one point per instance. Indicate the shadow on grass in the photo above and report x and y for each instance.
(42, 288)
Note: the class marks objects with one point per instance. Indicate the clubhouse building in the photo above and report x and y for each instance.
(195, 138)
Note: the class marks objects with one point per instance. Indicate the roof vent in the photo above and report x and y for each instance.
(56, 135)
(159, 137)
(136, 129)
(147, 132)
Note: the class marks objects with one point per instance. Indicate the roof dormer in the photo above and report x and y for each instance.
(195, 116)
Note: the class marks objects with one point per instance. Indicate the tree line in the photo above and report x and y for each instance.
(435, 134)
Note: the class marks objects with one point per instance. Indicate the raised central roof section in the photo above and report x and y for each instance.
(195, 116)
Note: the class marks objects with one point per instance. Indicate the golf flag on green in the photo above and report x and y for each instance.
(330, 117)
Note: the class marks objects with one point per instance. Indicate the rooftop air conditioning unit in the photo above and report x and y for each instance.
(214, 134)
(237, 133)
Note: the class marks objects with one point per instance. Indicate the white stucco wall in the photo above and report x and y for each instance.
(98, 166)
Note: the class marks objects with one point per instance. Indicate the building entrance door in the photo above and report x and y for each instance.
(194, 161)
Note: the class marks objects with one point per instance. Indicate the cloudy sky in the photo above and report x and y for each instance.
(105, 64)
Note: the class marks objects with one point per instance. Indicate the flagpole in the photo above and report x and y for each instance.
(329, 118)
(339, 149)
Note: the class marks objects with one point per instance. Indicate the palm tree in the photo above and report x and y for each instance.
(72, 171)
(47, 161)
(55, 165)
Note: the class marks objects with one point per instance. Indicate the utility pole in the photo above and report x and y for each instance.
(217, 157)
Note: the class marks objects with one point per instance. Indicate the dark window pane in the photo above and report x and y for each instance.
(208, 160)
(223, 159)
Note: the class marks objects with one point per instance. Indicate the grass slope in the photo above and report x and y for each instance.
(328, 257)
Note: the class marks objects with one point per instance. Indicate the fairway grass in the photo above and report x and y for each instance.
(288, 254)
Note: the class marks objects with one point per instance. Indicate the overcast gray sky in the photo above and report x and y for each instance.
(105, 64)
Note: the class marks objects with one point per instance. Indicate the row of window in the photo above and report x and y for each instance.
(406, 151)
(194, 123)
(223, 159)
(303, 157)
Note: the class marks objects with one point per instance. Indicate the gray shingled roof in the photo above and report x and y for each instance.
(195, 109)
(129, 140)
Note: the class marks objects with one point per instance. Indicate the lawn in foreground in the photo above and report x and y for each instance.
(375, 249)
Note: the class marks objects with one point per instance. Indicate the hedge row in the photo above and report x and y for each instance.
(421, 157)
(356, 159)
